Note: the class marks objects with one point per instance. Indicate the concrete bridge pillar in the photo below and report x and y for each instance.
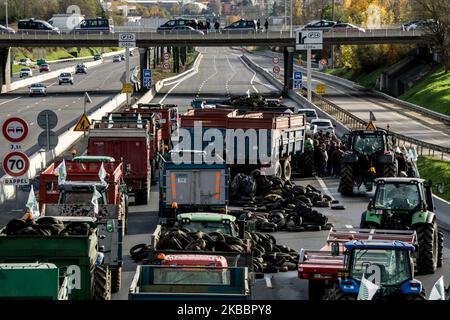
(144, 57)
(5, 68)
(288, 56)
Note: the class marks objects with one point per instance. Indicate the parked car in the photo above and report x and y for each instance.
(25, 62)
(98, 56)
(80, 68)
(169, 25)
(36, 26)
(4, 29)
(65, 77)
(311, 129)
(324, 125)
(25, 72)
(122, 57)
(38, 89)
(346, 27)
(324, 25)
(310, 114)
(420, 25)
(405, 26)
(185, 30)
(44, 67)
(241, 26)
(117, 58)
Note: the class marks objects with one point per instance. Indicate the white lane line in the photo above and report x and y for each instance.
(176, 85)
(268, 280)
(28, 107)
(210, 77)
(8, 115)
(324, 187)
(36, 102)
(9, 100)
(254, 74)
(61, 108)
(349, 226)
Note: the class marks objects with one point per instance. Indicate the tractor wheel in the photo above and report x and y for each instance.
(278, 170)
(427, 254)
(102, 283)
(287, 170)
(337, 294)
(390, 169)
(316, 290)
(116, 279)
(306, 167)
(346, 181)
(440, 248)
(420, 296)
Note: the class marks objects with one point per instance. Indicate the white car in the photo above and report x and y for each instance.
(311, 129)
(324, 125)
(25, 62)
(310, 114)
(38, 88)
(25, 72)
(116, 59)
(65, 77)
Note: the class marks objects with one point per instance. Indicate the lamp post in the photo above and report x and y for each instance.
(6, 13)
(290, 32)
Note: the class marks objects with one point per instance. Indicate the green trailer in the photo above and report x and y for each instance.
(75, 255)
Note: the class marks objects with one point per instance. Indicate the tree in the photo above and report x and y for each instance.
(297, 12)
(437, 14)
(340, 14)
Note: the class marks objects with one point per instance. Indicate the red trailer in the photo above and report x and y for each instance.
(130, 141)
(323, 267)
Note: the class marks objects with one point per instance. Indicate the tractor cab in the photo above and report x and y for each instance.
(81, 192)
(208, 222)
(368, 143)
(386, 263)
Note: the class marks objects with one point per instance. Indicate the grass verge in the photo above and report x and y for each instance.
(438, 171)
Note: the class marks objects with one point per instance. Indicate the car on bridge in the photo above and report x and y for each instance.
(117, 58)
(44, 67)
(80, 68)
(184, 30)
(36, 26)
(4, 29)
(310, 114)
(346, 27)
(65, 77)
(241, 26)
(324, 25)
(324, 125)
(38, 89)
(169, 25)
(94, 25)
(25, 72)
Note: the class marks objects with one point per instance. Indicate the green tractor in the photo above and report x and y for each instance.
(407, 204)
(369, 156)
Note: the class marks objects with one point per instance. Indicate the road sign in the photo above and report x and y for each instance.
(15, 129)
(298, 80)
(320, 89)
(276, 69)
(323, 62)
(48, 142)
(312, 39)
(147, 78)
(127, 88)
(371, 126)
(16, 164)
(127, 40)
(372, 116)
(17, 181)
(276, 59)
(166, 56)
(166, 66)
(82, 124)
(45, 123)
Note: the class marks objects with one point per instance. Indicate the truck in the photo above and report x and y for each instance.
(70, 243)
(406, 203)
(331, 268)
(73, 198)
(128, 139)
(263, 140)
(190, 277)
(187, 180)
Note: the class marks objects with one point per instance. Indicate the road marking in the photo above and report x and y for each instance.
(36, 102)
(324, 187)
(31, 123)
(8, 115)
(349, 226)
(254, 74)
(61, 108)
(211, 76)
(176, 85)
(268, 281)
(10, 100)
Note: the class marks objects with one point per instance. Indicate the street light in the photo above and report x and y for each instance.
(6, 13)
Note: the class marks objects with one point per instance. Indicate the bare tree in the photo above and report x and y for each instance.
(436, 13)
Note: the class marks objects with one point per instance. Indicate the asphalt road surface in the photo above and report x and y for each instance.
(359, 103)
(102, 82)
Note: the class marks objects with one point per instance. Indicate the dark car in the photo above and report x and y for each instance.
(97, 57)
(36, 26)
(324, 25)
(169, 25)
(241, 26)
(44, 67)
(80, 68)
(122, 57)
(346, 27)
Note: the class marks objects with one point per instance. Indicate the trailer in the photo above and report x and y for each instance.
(190, 277)
(323, 268)
(187, 180)
(129, 140)
(263, 140)
(76, 255)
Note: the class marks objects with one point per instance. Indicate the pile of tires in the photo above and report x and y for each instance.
(47, 226)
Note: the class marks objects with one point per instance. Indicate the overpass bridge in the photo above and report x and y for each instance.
(146, 40)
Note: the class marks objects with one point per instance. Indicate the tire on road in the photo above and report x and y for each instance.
(427, 254)
(116, 279)
(337, 294)
(346, 180)
(102, 283)
(440, 248)
(286, 169)
(390, 169)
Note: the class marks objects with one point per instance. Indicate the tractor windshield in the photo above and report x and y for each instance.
(397, 196)
(383, 267)
(82, 198)
(208, 227)
(191, 276)
(368, 144)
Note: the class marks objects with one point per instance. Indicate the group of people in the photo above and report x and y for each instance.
(328, 151)
(207, 25)
(258, 25)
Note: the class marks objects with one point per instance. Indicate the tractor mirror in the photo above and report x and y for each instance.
(335, 249)
(110, 226)
(440, 187)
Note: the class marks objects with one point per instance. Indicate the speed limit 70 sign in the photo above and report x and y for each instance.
(16, 164)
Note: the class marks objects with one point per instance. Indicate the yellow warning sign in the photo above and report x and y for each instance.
(371, 126)
(320, 89)
(82, 124)
(127, 88)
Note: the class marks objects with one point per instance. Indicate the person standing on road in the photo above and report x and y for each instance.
(266, 25)
(336, 157)
(258, 25)
(323, 164)
(208, 24)
(217, 25)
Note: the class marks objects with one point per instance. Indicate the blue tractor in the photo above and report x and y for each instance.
(387, 263)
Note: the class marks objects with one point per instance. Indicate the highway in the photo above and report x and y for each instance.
(213, 79)
(102, 82)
